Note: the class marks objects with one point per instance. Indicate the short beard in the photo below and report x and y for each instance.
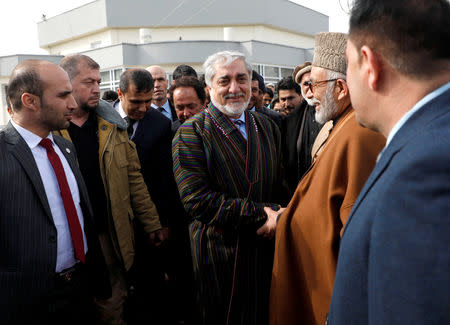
(231, 110)
(328, 107)
(87, 108)
(308, 100)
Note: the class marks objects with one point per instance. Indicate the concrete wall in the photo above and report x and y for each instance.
(170, 15)
(194, 52)
(74, 23)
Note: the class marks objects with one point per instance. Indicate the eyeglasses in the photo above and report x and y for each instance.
(312, 85)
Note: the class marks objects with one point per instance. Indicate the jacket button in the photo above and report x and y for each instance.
(52, 239)
(104, 127)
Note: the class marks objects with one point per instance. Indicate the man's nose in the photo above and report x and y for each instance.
(234, 86)
(72, 103)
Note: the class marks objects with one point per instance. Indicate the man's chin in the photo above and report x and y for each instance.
(88, 108)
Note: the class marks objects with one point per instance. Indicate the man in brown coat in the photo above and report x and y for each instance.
(110, 167)
(308, 232)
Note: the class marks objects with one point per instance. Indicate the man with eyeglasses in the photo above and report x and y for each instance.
(308, 232)
(299, 128)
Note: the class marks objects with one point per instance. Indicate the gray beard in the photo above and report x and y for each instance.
(233, 111)
(328, 107)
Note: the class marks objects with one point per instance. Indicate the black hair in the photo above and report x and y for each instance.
(412, 35)
(140, 78)
(183, 70)
(288, 83)
(269, 92)
(189, 82)
(110, 95)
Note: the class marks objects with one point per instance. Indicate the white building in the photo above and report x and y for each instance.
(276, 35)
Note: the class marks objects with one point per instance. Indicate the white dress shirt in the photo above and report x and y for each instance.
(65, 252)
(118, 107)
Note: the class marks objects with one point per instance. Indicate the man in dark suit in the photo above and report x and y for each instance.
(394, 260)
(151, 132)
(256, 99)
(160, 101)
(188, 97)
(49, 252)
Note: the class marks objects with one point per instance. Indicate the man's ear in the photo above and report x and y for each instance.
(30, 101)
(342, 89)
(120, 94)
(372, 63)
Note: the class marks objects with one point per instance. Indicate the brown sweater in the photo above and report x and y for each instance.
(308, 232)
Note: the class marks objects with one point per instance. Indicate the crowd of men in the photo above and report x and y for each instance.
(218, 200)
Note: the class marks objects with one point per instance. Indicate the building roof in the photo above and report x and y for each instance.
(105, 14)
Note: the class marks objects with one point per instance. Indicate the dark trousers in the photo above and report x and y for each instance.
(69, 302)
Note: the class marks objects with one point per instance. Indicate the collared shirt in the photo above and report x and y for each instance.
(118, 107)
(65, 252)
(240, 124)
(167, 112)
(420, 104)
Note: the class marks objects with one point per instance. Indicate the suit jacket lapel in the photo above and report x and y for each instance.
(24, 156)
(140, 129)
(408, 131)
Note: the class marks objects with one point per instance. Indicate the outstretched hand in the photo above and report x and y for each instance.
(268, 229)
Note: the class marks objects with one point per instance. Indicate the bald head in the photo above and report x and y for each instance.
(40, 97)
(26, 78)
(161, 84)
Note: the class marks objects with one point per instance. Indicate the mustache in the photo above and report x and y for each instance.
(234, 95)
(314, 101)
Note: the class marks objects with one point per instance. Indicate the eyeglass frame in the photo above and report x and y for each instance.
(312, 85)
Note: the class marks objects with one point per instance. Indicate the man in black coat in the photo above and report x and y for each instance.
(151, 131)
(299, 128)
(256, 99)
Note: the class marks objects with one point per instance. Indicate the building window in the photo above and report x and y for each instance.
(110, 79)
(271, 73)
(4, 89)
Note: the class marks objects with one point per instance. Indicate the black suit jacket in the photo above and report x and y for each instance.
(275, 116)
(293, 160)
(28, 236)
(153, 139)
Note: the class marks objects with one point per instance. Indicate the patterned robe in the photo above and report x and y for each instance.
(224, 183)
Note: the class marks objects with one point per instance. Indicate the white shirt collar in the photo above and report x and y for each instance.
(120, 110)
(420, 104)
(30, 138)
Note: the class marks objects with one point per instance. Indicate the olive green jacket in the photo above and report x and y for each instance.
(126, 192)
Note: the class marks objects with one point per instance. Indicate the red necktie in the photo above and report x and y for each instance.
(69, 206)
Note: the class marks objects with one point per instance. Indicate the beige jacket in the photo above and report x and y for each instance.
(126, 192)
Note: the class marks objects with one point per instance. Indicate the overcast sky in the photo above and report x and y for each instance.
(19, 17)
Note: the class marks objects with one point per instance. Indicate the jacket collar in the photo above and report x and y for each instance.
(107, 112)
(223, 122)
(408, 132)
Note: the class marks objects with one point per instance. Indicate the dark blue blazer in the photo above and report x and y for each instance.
(394, 259)
(28, 234)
